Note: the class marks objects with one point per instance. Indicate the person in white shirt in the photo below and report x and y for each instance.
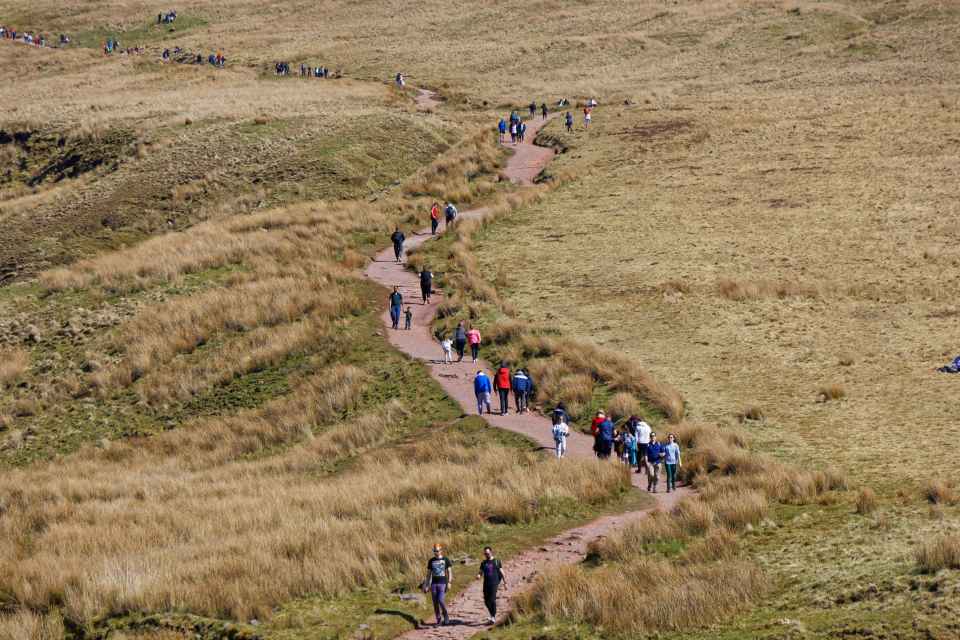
(642, 431)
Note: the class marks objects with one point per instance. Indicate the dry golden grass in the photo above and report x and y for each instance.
(738, 290)
(13, 362)
(939, 491)
(831, 392)
(673, 597)
(866, 501)
(26, 625)
(942, 552)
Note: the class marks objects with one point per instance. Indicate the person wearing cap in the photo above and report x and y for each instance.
(521, 390)
(439, 579)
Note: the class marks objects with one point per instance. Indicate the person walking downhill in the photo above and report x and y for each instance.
(473, 338)
(521, 390)
(439, 578)
(408, 318)
(533, 108)
(397, 239)
(655, 456)
(671, 460)
(491, 572)
(642, 430)
(396, 302)
(460, 340)
(501, 382)
(560, 431)
(434, 218)
(543, 110)
(502, 128)
(481, 389)
(426, 284)
(569, 122)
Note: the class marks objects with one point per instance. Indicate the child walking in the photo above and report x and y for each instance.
(407, 318)
(560, 433)
(447, 345)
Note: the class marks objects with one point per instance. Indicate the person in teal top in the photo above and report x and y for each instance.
(671, 460)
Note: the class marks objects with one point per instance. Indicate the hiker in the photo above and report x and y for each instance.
(460, 340)
(655, 454)
(569, 122)
(501, 382)
(560, 431)
(543, 110)
(473, 339)
(533, 108)
(482, 388)
(587, 117)
(502, 128)
(514, 118)
(671, 460)
(491, 571)
(397, 238)
(407, 318)
(521, 390)
(426, 284)
(953, 367)
(434, 218)
(396, 302)
(446, 344)
(642, 431)
(400, 80)
(449, 215)
(629, 448)
(439, 578)
(602, 428)
(513, 133)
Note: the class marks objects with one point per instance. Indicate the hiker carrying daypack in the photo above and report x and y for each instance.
(449, 214)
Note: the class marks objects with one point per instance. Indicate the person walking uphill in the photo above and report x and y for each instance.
(460, 340)
(655, 455)
(434, 218)
(439, 578)
(502, 129)
(522, 386)
(396, 303)
(481, 389)
(426, 284)
(491, 572)
(473, 337)
(501, 382)
(397, 239)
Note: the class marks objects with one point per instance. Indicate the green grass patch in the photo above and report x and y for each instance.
(141, 34)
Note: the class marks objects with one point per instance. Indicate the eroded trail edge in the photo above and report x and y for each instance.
(467, 612)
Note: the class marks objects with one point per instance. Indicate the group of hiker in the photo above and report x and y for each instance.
(517, 128)
(440, 578)
(167, 18)
(636, 444)
(305, 70)
(216, 59)
(36, 40)
(504, 381)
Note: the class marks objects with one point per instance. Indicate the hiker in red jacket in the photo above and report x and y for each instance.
(501, 382)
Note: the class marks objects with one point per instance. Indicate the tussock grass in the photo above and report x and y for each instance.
(13, 363)
(738, 290)
(866, 501)
(939, 491)
(673, 597)
(461, 176)
(942, 552)
(26, 625)
(831, 392)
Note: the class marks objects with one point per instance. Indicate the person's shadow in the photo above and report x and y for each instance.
(401, 614)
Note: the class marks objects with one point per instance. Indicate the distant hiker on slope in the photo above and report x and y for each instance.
(473, 338)
(460, 340)
(481, 389)
(408, 318)
(426, 284)
(397, 239)
(671, 460)
(396, 302)
(569, 122)
(434, 218)
(587, 117)
(655, 455)
(449, 215)
(604, 437)
(439, 579)
(642, 431)
(400, 80)
(491, 572)
(560, 431)
(533, 108)
(522, 386)
(502, 128)
(446, 345)
(543, 110)
(501, 382)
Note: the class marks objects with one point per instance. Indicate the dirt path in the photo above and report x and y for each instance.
(467, 611)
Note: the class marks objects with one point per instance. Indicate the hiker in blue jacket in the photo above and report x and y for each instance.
(522, 386)
(502, 127)
(655, 455)
(482, 389)
(605, 437)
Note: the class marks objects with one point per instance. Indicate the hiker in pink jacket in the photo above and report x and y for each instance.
(473, 339)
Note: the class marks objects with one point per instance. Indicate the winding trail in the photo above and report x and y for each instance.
(467, 612)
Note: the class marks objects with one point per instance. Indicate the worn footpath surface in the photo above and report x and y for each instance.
(467, 612)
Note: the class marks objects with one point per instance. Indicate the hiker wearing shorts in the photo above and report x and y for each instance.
(396, 303)
(397, 239)
(439, 579)
(501, 383)
(434, 218)
(426, 285)
(655, 454)
(460, 340)
(481, 389)
(671, 460)
(491, 572)
(473, 338)
(642, 430)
